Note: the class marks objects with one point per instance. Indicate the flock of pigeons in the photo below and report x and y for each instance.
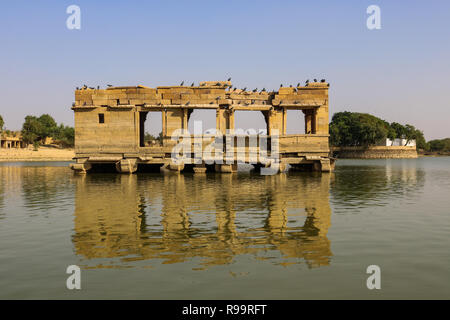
(220, 84)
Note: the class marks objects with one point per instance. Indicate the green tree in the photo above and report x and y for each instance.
(2, 123)
(391, 133)
(37, 129)
(48, 126)
(400, 131)
(64, 135)
(149, 138)
(357, 129)
(31, 129)
(440, 145)
(420, 140)
(362, 129)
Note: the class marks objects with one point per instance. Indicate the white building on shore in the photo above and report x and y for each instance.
(400, 142)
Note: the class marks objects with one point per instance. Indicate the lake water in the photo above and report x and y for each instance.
(227, 236)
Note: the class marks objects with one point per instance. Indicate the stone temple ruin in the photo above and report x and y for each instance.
(110, 127)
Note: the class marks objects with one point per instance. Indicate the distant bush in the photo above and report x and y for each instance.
(65, 136)
(150, 138)
(440, 145)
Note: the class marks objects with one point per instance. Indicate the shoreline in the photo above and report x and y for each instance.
(36, 160)
(434, 155)
(47, 154)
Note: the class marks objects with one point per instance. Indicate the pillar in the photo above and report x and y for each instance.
(185, 119)
(226, 168)
(224, 120)
(80, 168)
(126, 166)
(310, 121)
(200, 168)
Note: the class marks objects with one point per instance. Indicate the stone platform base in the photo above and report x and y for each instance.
(132, 165)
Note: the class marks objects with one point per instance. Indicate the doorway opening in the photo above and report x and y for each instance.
(203, 121)
(295, 122)
(249, 122)
(150, 128)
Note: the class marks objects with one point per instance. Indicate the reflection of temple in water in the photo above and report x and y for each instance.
(175, 218)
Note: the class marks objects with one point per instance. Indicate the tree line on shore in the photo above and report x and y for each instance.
(439, 145)
(363, 129)
(36, 130)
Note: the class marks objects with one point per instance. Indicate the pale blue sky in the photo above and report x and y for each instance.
(399, 73)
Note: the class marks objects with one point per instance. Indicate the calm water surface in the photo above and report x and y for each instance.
(240, 236)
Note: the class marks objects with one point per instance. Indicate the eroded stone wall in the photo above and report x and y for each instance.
(375, 152)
